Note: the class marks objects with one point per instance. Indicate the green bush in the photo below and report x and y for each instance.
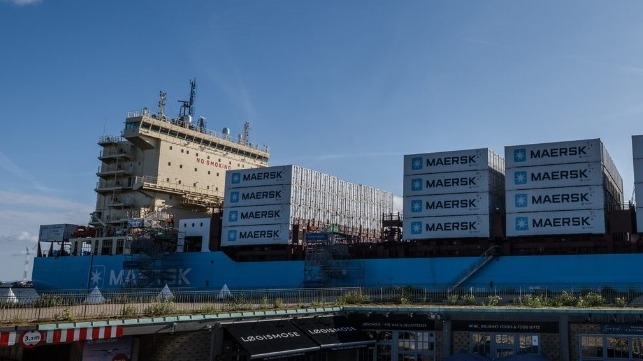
(493, 300)
(469, 300)
(530, 300)
(565, 299)
(620, 302)
(452, 299)
(591, 299)
(353, 298)
(128, 311)
(162, 308)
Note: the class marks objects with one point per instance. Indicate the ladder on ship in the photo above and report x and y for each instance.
(480, 262)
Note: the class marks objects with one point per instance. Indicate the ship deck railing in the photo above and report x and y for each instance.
(27, 306)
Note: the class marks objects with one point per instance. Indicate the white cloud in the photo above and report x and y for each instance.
(22, 2)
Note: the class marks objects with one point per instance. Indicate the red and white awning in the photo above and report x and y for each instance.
(33, 338)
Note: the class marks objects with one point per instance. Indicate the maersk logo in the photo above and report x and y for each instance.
(232, 236)
(275, 174)
(520, 155)
(522, 223)
(574, 151)
(416, 227)
(234, 197)
(451, 226)
(97, 277)
(416, 184)
(236, 178)
(416, 163)
(520, 177)
(233, 216)
(521, 200)
(416, 206)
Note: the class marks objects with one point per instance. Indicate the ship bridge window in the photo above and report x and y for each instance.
(120, 245)
(132, 125)
(106, 247)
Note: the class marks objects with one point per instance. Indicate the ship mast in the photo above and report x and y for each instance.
(187, 106)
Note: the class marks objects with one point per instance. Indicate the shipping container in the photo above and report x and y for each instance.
(56, 232)
(469, 226)
(254, 215)
(638, 170)
(639, 220)
(453, 161)
(556, 175)
(459, 204)
(575, 151)
(637, 146)
(555, 223)
(254, 177)
(453, 182)
(638, 195)
(255, 196)
(256, 235)
(555, 199)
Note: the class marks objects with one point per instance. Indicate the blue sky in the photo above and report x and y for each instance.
(343, 87)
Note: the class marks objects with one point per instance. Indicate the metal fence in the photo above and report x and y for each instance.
(24, 305)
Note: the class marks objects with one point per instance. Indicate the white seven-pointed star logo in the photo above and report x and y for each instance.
(521, 200)
(96, 277)
(416, 206)
(520, 155)
(234, 216)
(416, 163)
(522, 223)
(520, 178)
(416, 228)
(232, 236)
(416, 184)
(236, 178)
(234, 197)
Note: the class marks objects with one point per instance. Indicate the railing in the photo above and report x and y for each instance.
(212, 133)
(482, 260)
(25, 305)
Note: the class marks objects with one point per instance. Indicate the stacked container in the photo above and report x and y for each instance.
(262, 204)
(454, 194)
(637, 155)
(560, 188)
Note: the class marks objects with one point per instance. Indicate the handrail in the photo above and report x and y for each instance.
(482, 260)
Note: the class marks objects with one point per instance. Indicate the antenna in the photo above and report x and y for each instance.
(162, 97)
(246, 132)
(187, 106)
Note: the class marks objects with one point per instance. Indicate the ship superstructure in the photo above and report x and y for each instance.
(164, 169)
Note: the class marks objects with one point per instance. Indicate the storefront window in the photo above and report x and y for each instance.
(591, 346)
(481, 344)
(528, 344)
(502, 345)
(405, 346)
(617, 347)
(637, 348)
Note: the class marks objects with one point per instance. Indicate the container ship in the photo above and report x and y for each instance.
(180, 205)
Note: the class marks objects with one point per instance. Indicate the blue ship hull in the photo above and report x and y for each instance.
(214, 269)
